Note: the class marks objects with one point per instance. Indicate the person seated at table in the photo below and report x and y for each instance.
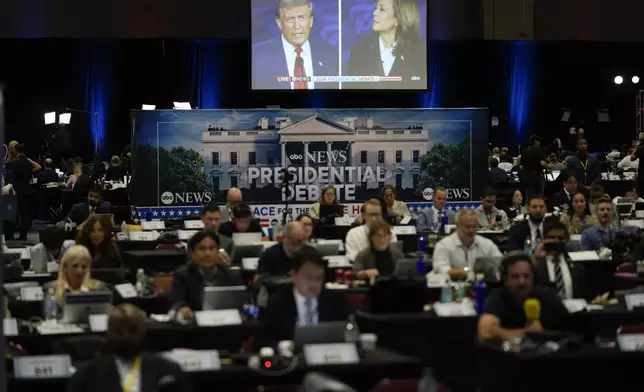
(96, 235)
(430, 218)
(306, 302)
(74, 275)
(76, 174)
(211, 218)
(631, 195)
(563, 198)
(277, 260)
(503, 313)
(596, 192)
(358, 237)
(602, 234)
(205, 268)
(48, 174)
(329, 197)
(578, 217)
(393, 206)
(243, 222)
(516, 208)
(308, 225)
(116, 171)
(94, 205)
(126, 367)
(52, 244)
(455, 254)
(532, 226)
(380, 258)
(490, 217)
(552, 267)
(233, 197)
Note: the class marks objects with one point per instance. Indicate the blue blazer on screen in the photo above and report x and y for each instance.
(269, 62)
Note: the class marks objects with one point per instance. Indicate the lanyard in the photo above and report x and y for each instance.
(132, 375)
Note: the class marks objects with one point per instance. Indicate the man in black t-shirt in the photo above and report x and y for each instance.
(533, 161)
(22, 169)
(242, 222)
(504, 313)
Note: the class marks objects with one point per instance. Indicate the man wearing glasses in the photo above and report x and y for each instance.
(358, 237)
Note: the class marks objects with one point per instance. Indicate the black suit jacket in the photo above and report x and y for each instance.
(188, 285)
(518, 234)
(559, 199)
(80, 212)
(577, 274)
(157, 375)
(280, 316)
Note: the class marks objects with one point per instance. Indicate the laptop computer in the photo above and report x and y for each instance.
(246, 238)
(226, 297)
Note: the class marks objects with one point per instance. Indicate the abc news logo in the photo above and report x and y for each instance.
(452, 193)
(295, 157)
(168, 198)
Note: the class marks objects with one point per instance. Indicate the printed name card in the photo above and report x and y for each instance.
(250, 263)
(98, 322)
(585, 255)
(575, 305)
(614, 177)
(10, 327)
(47, 328)
(339, 242)
(337, 261)
(194, 360)
(141, 236)
(31, 293)
(635, 300)
(631, 342)
(344, 221)
(42, 366)
(185, 235)
(331, 354)
(52, 267)
(404, 230)
(126, 290)
(153, 225)
(455, 309)
(216, 318)
(193, 225)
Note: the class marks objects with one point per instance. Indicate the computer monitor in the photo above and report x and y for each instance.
(112, 276)
(244, 251)
(407, 268)
(79, 306)
(226, 297)
(246, 238)
(328, 248)
(394, 295)
(322, 333)
(330, 211)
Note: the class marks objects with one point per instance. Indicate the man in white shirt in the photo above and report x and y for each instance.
(552, 267)
(358, 237)
(627, 164)
(456, 253)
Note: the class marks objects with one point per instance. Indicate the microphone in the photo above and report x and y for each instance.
(532, 309)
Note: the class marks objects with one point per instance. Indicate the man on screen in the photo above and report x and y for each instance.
(293, 54)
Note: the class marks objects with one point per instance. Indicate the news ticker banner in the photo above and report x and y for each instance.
(190, 158)
(270, 214)
(343, 79)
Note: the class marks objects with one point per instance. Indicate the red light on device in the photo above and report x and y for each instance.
(268, 364)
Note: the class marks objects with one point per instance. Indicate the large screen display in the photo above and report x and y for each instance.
(339, 44)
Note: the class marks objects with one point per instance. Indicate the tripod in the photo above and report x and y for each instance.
(287, 179)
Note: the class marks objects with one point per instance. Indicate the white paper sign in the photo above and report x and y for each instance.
(575, 305)
(338, 242)
(344, 221)
(185, 235)
(194, 360)
(405, 220)
(10, 326)
(250, 263)
(455, 309)
(216, 318)
(585, 255)
(52, 267)
(42, 366)
(126, 290)
(337, 261)
(403, 230)
(58, 329)
(98, 322)
(331, 354)
(153, 225)
(614, 177)
(31, 293)
(631, 342)
(193, 225)
(635, 300)
(141, 236)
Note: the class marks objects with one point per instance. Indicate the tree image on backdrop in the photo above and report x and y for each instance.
(180, 169)
(445, 166)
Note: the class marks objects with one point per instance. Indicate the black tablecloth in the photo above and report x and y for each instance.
(374, 367)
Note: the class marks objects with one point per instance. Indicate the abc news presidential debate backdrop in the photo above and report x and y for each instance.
(184, 159)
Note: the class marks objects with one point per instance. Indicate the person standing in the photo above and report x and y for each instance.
(23, 169)
(533, 161)
(585, 166)
(636, 156)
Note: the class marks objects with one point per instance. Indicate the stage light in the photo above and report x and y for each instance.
(50, 118)
(148, 107)
(619, 80)
(182, 106)
(64, 118)
(635, 79)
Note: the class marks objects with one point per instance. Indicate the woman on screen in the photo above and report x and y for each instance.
(392, 48)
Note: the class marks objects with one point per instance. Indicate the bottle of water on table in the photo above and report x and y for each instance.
(352, 332)
(480, 291)
(528, 246)
(50, 307)
(447, 295)
(140, 281)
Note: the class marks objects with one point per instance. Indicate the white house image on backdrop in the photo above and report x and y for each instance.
(229, 153)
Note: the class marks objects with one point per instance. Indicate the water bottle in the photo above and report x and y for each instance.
(528, 246)
(428, 383)
(421, 243)
(262, 297)
(278, 232)
(140, 281)
(352, 332)
(480, 291)
(444, 223)
(50, 306)
(446, 292)
(420, 266)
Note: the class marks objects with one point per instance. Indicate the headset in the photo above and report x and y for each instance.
(511, 258)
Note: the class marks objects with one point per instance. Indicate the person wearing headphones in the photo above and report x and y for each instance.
(519, 306)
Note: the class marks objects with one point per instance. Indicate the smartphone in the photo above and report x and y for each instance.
(557, 247)
(498, 218)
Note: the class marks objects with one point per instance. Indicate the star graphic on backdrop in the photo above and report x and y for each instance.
(188, 212)
(180, 212)
(163, 213)
(171, 212)
(155, 213)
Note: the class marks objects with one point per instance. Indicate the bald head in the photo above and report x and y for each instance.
(233, 197)
(295, 237)
(49, 163)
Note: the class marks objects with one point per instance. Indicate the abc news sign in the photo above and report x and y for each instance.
(452, 194)
(185, 198)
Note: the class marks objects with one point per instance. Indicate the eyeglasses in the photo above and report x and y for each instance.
(381, 236)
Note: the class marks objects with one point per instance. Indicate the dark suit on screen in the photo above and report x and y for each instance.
(269, 62)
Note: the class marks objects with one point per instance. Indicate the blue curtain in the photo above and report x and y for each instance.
(205, 88)
(522, 57)
(433, 97)
(97, 92)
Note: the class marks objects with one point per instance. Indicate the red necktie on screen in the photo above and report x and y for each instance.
(299, 70)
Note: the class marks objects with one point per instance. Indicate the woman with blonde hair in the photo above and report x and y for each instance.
(116, 171)
(328, 197)
(71, 181)
(74, 274)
